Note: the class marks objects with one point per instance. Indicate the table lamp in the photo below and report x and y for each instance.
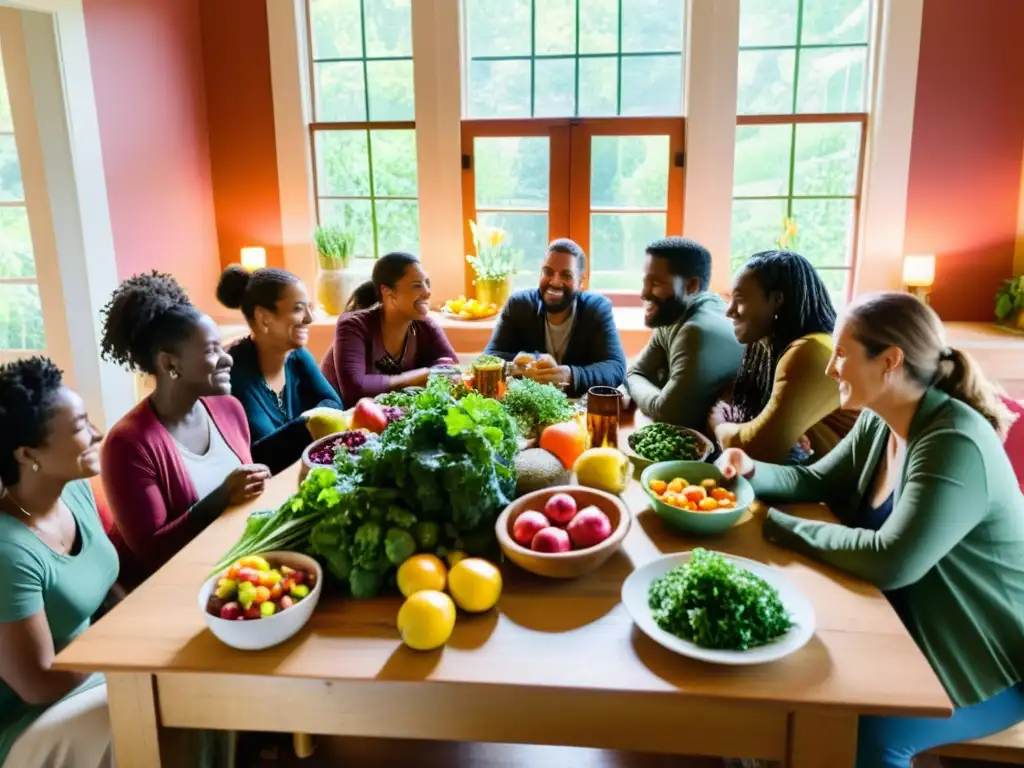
(253, 258)
(919, 275)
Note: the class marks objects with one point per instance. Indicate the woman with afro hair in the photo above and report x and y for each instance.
(181, 457)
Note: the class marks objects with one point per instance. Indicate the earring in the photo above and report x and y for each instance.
(266, 329)
(173, 374)
(35, 466)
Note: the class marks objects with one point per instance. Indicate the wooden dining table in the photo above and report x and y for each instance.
(555, 663)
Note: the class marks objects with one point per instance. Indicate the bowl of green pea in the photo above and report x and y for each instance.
(659, 442)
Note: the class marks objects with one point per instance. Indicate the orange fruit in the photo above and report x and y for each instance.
(707, 505)
(658, 486)
(719, 494)
(677, 485)
(694, 493)
(421, 572)
(567, 441)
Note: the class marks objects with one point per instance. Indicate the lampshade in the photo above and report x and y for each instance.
(254, 257)
(919, 270)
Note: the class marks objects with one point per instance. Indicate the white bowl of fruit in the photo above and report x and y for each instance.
(261, 600)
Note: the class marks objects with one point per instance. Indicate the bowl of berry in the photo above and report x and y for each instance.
(321, 453)
(261, 600)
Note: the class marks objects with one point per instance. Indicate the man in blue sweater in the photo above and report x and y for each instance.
(558, 334)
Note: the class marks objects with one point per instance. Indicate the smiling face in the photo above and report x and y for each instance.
(71, 449)
(666, 296)
(200, 362)
(862, 379)
(751, 309)
(558, 278)
(286, 326)
(410, 297)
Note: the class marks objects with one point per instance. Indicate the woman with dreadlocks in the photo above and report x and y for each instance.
(783, 405)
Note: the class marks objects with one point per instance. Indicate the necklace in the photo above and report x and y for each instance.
(7, 495)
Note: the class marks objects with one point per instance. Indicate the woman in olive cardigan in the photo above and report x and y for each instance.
(930, 513)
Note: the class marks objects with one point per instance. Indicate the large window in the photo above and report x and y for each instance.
(21, 314)
(363, 131)
(574, 128)
(802, 106)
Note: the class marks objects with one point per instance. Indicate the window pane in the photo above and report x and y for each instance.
(617, 245)
(652, 85)
(762, 160)
(527, 239)
(398, 226)
(512, 172)
(824, 231)
(832, 80)
(11, 190)
(16, 255)
(836, 280)
(629, 172)
(554, 88)
(394, 163)
(388, 27)
(391, 90)
(336, 30)
(340, 92)
(354, 216)
(599, 86)
(498, 27)
(555, 27)
(652, 25)
(768, 22)
(599, 26)
(765, 82)
(21, 318)
(835, 21)
(827, 159)
(756, 224)
(499, 88)
(342, 164)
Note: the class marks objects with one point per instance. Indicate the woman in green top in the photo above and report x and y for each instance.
(930, 512)
(56, 568)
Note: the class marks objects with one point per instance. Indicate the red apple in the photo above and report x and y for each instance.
(591, 526)
(560, 509)
(253, 611)
(250, 575)
(551, 539)
(231, 611)
(286, 602)
(527, 525)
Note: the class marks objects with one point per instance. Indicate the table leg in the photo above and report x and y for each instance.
(819, 739)
(131, 699)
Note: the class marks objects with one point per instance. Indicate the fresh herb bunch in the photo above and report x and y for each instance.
(535, 405)
(716, 604)
(664, 442)
(334, 245)
(485, 360)
(398, 399)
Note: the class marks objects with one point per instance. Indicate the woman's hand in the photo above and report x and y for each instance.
(735, 463)
(245, 483)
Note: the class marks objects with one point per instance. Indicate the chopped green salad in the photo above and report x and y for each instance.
(664, 442)
(714, 603)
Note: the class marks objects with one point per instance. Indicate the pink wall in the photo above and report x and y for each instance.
(147, 68)
(965, 167)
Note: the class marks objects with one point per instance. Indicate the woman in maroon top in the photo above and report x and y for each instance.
(387, 340)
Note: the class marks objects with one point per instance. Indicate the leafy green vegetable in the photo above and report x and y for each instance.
(399, 546)
(426, 535)
(535, 405)
(715, 604)
(664, 442)
(398, 399)
(485, 360)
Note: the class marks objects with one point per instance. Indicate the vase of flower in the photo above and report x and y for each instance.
(334, 282)
(493, 266)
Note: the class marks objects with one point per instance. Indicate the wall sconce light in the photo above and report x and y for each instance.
(254, 258)
(919, 275)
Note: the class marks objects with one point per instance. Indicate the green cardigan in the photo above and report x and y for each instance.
(953, 545)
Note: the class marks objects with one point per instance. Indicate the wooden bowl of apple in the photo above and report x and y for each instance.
(564, 531)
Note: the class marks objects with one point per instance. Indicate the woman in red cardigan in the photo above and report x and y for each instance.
(181, 456)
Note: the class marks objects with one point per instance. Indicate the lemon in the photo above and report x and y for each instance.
(454, 557)
(475, 584)
(426, 620)
(421, 572)
(606, 469)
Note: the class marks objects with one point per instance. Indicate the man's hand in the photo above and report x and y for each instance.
(558, 375)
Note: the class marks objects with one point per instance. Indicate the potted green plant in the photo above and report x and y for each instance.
(1010, 303)
(492, 265)
(334, 284)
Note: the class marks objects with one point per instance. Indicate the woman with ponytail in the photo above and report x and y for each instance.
(387, 340)
(930, 512)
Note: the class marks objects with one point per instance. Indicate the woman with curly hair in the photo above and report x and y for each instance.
(57, 568)
(783, 406)
(178, 459)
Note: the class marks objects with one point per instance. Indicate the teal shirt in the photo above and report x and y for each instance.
(68, 588)
(953, 545)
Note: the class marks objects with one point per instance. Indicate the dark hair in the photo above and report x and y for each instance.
(239, 288)
(686, 258)
(27, 390)
(571, 247)
(806, 308)
(892, 319)
(146, 315)
(387, 271)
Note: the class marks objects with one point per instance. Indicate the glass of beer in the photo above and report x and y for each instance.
(488, 373)
(603, 407)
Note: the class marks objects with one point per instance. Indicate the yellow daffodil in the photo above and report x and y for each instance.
(495, 237)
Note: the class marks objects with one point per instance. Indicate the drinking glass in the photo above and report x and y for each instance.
(603, 407)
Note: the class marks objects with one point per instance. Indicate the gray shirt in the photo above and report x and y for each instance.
(557, 336)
